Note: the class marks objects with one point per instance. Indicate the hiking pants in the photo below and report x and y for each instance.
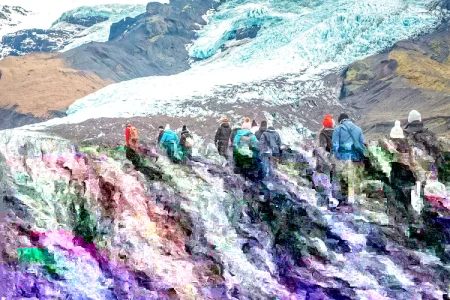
(350, 175)
(266, 165)
(170, 149)
(222, 147)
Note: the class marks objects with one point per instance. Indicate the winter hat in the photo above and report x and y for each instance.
(184, 128)
(343, 116)
(247, 124)
(397, 131)
(269, 123)
(328, 121)
(167, 127)
(254, 124)
(414, 115)
(161, 127)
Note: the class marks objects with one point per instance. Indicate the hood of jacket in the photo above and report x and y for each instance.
(243, 132)
(415, 126)
(169, 136)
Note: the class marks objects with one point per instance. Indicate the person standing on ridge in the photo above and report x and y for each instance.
(160, 133)
(169, 142)
(131, 137)
(221, 140)
(269, 149)
(324, 167)
(261, 129)
(245, 151)
(234, 130)
(326, 134)
(131, 143)
(186, 143)
(421, 136)
(349, 150)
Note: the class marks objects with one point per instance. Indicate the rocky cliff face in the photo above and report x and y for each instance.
(83, 221)
(150, 44)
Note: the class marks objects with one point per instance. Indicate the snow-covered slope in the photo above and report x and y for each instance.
(62, 25)
(297, 44)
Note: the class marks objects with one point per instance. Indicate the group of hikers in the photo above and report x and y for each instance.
(255, 149)
(342, 156)
(413, 154)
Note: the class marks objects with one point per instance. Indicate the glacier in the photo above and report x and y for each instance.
(299, 42)
(100, 31)
(52, 15)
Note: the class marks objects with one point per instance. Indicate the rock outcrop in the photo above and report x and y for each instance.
(150, 44)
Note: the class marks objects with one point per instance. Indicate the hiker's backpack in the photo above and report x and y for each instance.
(245, 145)
(429, 142)
(189, 141)
(328, 140)
(134, 136)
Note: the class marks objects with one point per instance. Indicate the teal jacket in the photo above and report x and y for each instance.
(241, 133)
(169, 137)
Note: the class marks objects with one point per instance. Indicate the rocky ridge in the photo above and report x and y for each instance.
(206, 233)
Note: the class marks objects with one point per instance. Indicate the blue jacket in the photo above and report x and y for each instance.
(169, 137)
(343, 142)
(241, 133)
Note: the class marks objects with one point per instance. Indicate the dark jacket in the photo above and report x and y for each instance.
(423, 138)
(348, 142)
(183, 136)
(160, 136)
(326, 138)
(223, 133)
(270, 142)
(260, 131)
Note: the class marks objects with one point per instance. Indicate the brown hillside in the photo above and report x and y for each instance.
(41, 83)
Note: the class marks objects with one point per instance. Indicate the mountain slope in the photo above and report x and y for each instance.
(136, 52)
(290, 63)
(412, 75)
(41, 86)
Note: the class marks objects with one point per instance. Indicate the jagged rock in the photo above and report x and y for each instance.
(119, 28)
(161, 9)
(35, 40)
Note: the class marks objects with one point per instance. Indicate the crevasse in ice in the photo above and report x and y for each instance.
(314, 32)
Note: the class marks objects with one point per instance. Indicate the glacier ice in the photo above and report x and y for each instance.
(299, 41)
(50, 14)
(100, 31)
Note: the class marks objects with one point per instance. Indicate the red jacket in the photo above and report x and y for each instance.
(127, 135)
